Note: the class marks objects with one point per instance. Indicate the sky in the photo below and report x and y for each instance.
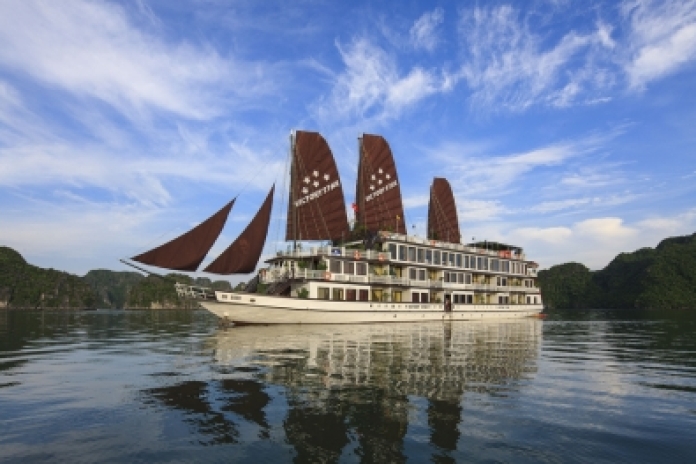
(566, 128)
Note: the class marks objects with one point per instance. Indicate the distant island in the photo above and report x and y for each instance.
(659, 278)
(24, 286)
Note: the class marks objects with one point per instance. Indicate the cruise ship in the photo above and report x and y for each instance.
(370, 271)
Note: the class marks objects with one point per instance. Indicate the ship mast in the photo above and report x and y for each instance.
(293, 172)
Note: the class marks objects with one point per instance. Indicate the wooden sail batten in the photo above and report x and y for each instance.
(443, 222)
(242, 256)
(378, 192)
(186, 252)
(316, 206)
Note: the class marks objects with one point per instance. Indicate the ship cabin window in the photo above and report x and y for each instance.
(451, 259)
(467, 262)
(415, 297)
(351, 294)
(469, 299)
(377, 294)
(323, 293)
(421, 255)
(392, 251)
(412, 254)
(335, 266)
(436, 257)
(363, 295)
(460, 277)
(348, 268)
(337, 294)
(505, 266)
(421, 274)
(429, 256)
(361, 268)
(467, 278)
(444, 258)
(397, 296)
(424, 298)
(412, 274)
(495, 265)
(482, 263)
(459, 260)
(447, 277)
(402, 253)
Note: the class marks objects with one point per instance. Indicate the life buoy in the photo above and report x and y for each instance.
(327, 275)
(356, 254)
(381, 257)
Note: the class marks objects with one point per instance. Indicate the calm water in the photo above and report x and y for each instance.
(165, 386)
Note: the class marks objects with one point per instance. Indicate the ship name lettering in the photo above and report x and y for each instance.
(379, 192)
(317, 193)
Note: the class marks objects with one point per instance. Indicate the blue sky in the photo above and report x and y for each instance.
(567, 128)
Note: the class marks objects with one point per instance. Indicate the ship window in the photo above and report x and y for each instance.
(421, 274)
(506, 266)
(351, 294)
(421, 255)
(460, 277)
(446, 278)
(451, 259)
(363, 295)
(415, 297)
(323, 293)
(436, 257)
(337, 294)
(349, 268)
(402, 253)
(397, 296)
(412, 254)
(335, 266)
(377, 294)
(392, 250)
(424, 298)
(467, 278)
(412, 274)
(429, 256)
(495, 265)
(466, 262)
(360, 268)
(469, 299)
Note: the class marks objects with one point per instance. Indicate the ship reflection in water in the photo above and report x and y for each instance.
(326, 392)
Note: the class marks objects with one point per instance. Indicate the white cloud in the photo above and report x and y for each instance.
(506, 64)
(609, 228)
(554, 235)
(92, 49)
(423, 33)
(662, 38)
(145, 180)
(372, 87)
(494, 174)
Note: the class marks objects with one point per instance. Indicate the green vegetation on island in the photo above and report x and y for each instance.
(659, 278)
(24, 286)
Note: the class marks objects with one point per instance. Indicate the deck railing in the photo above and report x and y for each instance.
(307, 274)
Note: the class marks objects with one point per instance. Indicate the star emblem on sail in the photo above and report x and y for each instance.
(379, 178)
(315, 185)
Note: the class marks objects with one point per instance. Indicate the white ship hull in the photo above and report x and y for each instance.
(243, 308)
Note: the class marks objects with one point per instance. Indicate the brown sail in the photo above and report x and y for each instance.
(316, 207)
(443, 223)
(186, 252)
(243, 255)
(378, 193)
